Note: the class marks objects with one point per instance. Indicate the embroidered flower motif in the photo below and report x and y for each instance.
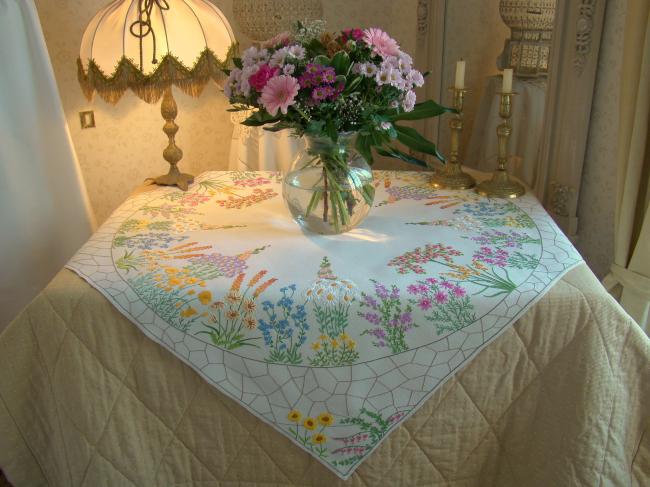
(188, 312)
(319, 438)
(326, 419)
(205, 297)
(294, 416)
(309, 423)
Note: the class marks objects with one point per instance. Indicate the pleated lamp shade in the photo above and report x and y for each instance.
(146, 45)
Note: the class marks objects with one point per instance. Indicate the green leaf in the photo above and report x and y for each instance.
(259, 118)
(398, 154)
(364, 147)
(315, 127)
(353, 84)
(426, 109)
(280, 126)
(315, 48)
(238, 62)
(323, 60)
(341, 62)
(412, 138)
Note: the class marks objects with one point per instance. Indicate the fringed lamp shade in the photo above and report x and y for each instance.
(147, 45)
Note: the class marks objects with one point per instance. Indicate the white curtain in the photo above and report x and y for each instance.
(44, 212)
(630, 273)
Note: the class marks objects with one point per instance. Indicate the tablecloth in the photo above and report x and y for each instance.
(332, 340)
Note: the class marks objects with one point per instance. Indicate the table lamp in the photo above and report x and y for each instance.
(149, 45)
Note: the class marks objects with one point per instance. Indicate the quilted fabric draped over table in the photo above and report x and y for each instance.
(332, 340)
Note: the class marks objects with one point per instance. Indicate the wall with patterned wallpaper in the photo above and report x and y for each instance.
(126, 146)
(597, 205)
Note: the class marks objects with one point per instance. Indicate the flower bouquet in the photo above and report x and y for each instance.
(346, 94)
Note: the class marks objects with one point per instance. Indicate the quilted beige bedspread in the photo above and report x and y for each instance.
(560, 399)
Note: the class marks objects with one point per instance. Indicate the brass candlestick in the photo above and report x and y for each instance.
(451, 176)
(501, 186)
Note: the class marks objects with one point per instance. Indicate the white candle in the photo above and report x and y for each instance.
(460, 75)
(506, 87)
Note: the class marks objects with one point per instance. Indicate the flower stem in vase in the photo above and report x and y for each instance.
(325, 209)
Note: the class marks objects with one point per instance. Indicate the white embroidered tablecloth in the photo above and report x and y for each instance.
(333, 340)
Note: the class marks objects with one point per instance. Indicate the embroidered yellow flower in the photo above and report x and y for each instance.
(232, 314)
(173, 282)
(171, 270)
(309, 423)
(322, 338)
(191, 291)
(330, 297)
(352, 344)
(187, 312)
(205, 297)
(334, 342)
(250, 323)
(319, 438)
(326, 419)
(294, 416)
(344, 337)
(315, 346)
(191, 280)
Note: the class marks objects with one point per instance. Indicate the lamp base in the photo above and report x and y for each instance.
(500, 186)
(174, 178)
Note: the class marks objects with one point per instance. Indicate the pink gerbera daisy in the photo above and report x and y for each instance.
(380, 42)
(279, 94)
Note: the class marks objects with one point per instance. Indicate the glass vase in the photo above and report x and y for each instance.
(329, 188)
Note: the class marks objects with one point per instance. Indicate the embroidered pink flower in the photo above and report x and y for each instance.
(279, 94)
(380, 42)
(424, 304)
(259, 79)
(441, 297)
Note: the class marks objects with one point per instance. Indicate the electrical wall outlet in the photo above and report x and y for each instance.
(87, 119)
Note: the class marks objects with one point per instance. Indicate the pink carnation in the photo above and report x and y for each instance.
(380, 42)
(259, 79)
(279, 94)
(281, 39)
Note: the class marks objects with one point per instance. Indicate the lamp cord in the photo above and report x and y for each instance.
(142, 27)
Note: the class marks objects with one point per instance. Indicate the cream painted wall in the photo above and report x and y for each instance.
(126, 146)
